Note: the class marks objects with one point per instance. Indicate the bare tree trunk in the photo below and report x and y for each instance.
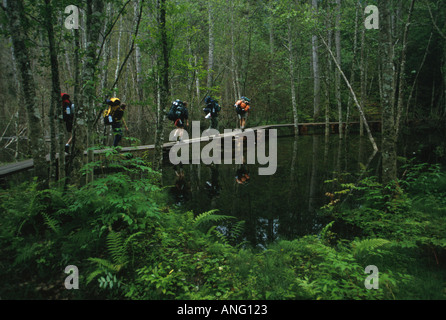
(55, 93)
(164, 86)
(16, 20)
(402, 80)
(118, 55)
(234, 70)
(352, 73)
(389, 169)
(363, 80)
(77, 99)
(138, 63)
(86, 110)
(316, 75)
(338, 59)
(211, 46)
(361, 112)
(293, 88)
(328, 80)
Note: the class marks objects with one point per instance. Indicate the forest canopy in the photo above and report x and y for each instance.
(299, 61)
(84, 82)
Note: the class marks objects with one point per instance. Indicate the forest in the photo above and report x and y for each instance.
(356, 209)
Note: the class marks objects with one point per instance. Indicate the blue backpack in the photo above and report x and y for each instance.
(176, 110)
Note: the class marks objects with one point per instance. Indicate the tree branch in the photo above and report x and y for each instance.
(361, 112)
(434, 23)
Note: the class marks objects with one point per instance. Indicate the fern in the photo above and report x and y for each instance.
(237, 229)
(52, 223)
(118, 250)
(209, 217)
(361, 247)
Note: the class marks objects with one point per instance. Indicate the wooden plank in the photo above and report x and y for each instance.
(16, 167)
(28, 164)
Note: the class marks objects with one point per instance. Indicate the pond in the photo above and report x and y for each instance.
(286, 205)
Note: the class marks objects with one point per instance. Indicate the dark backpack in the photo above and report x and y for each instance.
(211, 106)
(176, 111)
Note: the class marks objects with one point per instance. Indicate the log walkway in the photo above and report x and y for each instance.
(304, 128)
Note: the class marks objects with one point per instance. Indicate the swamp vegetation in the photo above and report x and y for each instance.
(345, 197)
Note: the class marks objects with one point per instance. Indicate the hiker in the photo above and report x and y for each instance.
(68, 117)
(114, 117)
(211, 110)
(242, 110)
(212, 185)
(242, 175)
(181, 191)
(180, 116)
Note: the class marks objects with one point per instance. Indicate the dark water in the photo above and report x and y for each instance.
(287, 204)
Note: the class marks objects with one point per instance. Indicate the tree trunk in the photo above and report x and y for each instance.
(316, 75)
(86, 110)
(211, 47)
(293, 88)
(138, 63)
(363, 80)
(77, 100)
(55, 93)
(328, 80)
(389, 169)
(118, 56)
(338, 59)
(361, 112)
(235, 77)
(164, 86)
(402, 80)
(16, 19)
(352, 72)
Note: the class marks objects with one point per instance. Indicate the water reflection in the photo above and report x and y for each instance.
(181, 189)
(285, 205)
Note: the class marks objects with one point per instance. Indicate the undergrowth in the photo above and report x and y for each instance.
(128, 242)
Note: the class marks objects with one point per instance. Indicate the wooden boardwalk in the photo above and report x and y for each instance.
(304, 128)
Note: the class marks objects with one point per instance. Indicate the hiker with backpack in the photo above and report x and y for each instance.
(68, 117)
(114, 116)
(179, 114)
(242, 109)
(211, 110)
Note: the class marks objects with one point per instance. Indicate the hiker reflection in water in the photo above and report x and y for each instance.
(242, 174)
(181, 190)
(212, 185)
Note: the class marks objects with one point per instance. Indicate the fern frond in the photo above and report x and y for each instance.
(202, 216)
(105, 264)
(361, 247)
(221, 237)
(130, 239)
(94, 274)
(52, 223)
(237, 229)
(116, 248)
(209, 217)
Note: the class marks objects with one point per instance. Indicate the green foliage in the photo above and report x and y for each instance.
(131, 245)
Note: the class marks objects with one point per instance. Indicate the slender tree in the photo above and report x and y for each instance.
(163, 62)
(316, 75)
(17, 21)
